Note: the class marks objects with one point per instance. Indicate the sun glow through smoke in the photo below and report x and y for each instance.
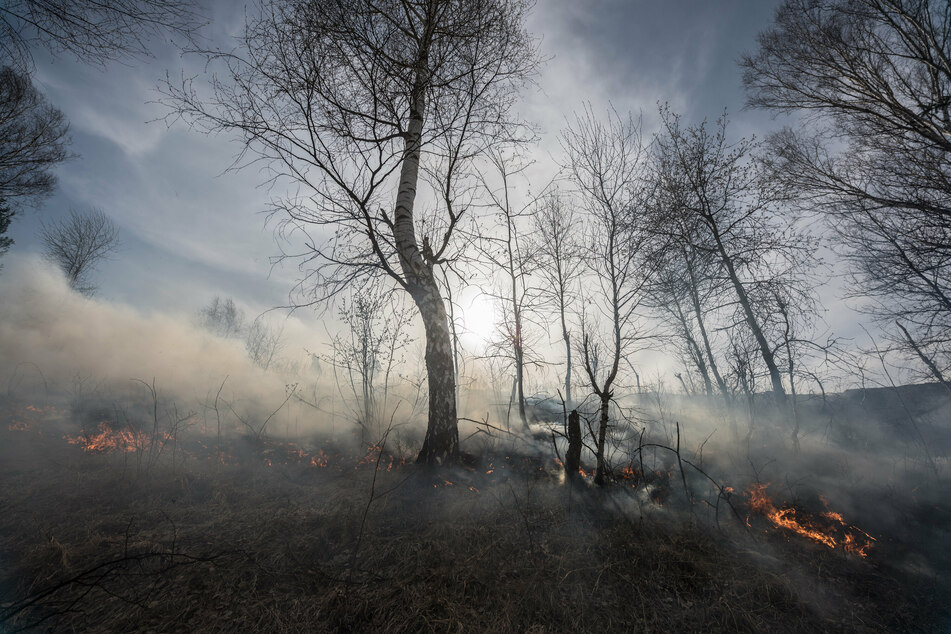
(478, 321)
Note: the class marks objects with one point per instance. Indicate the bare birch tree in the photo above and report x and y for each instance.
(347, 101)
(510, 254)
(367, 352)
(607, 163)
(558, 235)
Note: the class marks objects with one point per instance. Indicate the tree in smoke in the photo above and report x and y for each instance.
(687, 289)
(222, 318)
(511, 257)
(799, 347)
(874, 77)
(368, 351)
(742, 363)
(682, 292)
(350, 100)
(263, 342)
(607, 163)
(90, 30)
(33, 134)
(731, 209)
(78, 243)
(559, 248)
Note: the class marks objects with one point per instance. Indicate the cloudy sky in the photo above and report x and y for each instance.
(192, 230)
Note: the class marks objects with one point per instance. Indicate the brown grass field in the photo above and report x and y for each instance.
(108, 542)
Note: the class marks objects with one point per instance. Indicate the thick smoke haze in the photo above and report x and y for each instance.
(53, 337)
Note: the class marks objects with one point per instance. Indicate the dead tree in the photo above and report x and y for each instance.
(348, 101)
(606, 163)
(78, 243)
(573, 454)
(557, 230)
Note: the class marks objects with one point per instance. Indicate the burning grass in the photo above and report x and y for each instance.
(287, 537)
(827, 528)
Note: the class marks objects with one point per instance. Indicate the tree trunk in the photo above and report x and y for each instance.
(779, 392)
(744, 383)
(788, 337)
(794, 406)
(701, 365)
(442, 435)
(513, 271)
(567, 338)
(441, 444)
(508, 411)
(698, 315)
(602, 431)
(520, 383)
(694, 351)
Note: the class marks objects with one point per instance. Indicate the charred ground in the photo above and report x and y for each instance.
(264, 535)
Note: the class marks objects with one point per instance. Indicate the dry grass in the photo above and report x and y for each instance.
(250, 548)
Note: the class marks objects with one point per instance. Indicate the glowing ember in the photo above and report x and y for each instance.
(319, 459)
(827, 528)
(29, 418)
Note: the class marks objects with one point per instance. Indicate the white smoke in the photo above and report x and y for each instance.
(47, 328)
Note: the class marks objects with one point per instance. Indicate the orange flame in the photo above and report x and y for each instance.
(29, 418)
(835, 533)
(109, 439)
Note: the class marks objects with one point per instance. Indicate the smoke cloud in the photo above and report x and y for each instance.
(52, 338)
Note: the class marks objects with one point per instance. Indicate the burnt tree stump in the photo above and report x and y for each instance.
(573, 455)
